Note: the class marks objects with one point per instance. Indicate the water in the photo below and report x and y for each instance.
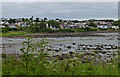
(13, 45)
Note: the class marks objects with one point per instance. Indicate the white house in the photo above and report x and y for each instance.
(47, 26)
(12, 26)
(80, 25)
(115, 27)
(2, 26)
(70, 26)
(104, 26)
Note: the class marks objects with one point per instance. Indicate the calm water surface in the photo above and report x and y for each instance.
(13, 45)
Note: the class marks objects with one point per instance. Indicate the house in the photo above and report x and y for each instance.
(47, 26)
(115, 27)
(23, 25)
(12, 26)
(2, 26)
(80, 25)
(51, 27)
(103, 26)
(70, 26)
(61, 26)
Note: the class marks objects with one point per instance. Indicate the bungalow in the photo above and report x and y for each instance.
(1, 22)
(2, 26)
(12, 26)
(115, 27)
(103, 26)
(80, 25)
(51, 27)
(70, 26)
(61, 26)
(23, 25)
(47, 26)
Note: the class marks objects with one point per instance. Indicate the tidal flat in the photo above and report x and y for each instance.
(96, 49)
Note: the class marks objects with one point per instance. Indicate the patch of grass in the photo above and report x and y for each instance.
(64, 67)
(64, 40)
(87, 39)
(13, 33)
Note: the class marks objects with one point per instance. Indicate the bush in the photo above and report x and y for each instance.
(5, 30)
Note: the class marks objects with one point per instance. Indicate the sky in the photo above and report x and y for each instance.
(60, 0)
(63, 10)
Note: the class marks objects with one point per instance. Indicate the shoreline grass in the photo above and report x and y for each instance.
(21, 33)
(12, 33)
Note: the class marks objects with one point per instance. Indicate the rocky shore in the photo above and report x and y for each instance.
(94, 46)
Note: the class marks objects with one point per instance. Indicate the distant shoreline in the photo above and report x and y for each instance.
(62, 34)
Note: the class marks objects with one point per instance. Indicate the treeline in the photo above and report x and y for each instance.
(116, 23)
(7, 29)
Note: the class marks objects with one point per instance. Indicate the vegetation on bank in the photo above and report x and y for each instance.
(36, 29)
(13, 33)
(41, 64)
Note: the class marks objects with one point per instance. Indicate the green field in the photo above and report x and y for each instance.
(12, 33)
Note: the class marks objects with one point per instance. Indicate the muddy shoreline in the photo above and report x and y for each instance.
(66, 34)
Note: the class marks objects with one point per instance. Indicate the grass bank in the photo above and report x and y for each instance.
(35, 66)
(13, 33)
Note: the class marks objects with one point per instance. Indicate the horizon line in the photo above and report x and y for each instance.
(64, 18)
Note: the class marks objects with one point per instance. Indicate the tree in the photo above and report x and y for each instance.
(11, 21)
(37, 20)
(75, 21)
(60, 20)
(31, 18)
(92, 24)
(42, 25)
(23, 19)
(116, 23)
(45, 19)
(54, 24)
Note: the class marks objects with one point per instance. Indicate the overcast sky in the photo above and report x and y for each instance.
(64, 10)
(60, 0)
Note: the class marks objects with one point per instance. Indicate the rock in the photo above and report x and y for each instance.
(108, 48)
(88, 48)
(104, 52)
(84, 48)
(3, 47)
(49, 49)
(74, 43)
(65, 55)
(71, 52)
(109, 53)
(90, 45)
(69, 47)
(9, 45)
(57, 50)
(81, 45)
(100, 54)
(60, 48)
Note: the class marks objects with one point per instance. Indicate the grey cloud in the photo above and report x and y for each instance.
(65, 10)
